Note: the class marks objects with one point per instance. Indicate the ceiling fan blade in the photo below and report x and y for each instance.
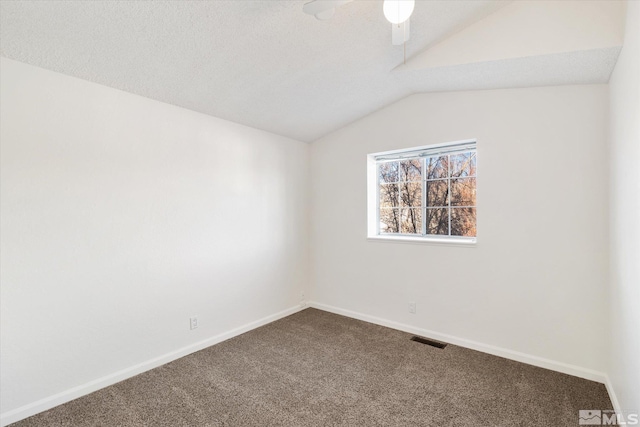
(321, 8)
(326, 14)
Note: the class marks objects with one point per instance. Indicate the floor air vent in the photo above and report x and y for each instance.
(428, 342)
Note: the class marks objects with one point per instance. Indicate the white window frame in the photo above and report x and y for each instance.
(373, 196)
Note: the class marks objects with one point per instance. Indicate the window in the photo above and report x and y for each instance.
(424, 193)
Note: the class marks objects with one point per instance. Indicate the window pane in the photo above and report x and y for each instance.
(411, 170)
(463, 164)
(437, 167)
(437, 193)
(389, 171)
(463, 222)
(389, 220)
(411, 194)
(411, 221)
(437, 221)
(389, 195)
(463, 192)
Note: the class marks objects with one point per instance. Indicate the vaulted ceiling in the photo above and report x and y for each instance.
(268, 65)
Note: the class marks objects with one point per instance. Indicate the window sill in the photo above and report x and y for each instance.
(463, 242)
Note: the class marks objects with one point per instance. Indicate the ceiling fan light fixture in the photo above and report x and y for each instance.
(398, 11)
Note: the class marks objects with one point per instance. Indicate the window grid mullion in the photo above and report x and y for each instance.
(449, 189)
(424, 196)
(399, 201)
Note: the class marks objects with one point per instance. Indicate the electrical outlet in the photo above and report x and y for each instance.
(412, 307)
(193, 322)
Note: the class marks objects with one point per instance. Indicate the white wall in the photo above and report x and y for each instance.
(624, 369)
(122, 217)
(536, 281)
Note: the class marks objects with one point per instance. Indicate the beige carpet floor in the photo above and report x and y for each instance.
(320, 369)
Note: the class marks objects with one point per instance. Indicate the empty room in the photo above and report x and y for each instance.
(320, 213)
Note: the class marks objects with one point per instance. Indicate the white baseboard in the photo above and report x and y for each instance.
(76, 392)
(541, 362)
(84, 389)
(612, 395)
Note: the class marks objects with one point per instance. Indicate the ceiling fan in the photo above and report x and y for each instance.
(396, 11)
(323, 9)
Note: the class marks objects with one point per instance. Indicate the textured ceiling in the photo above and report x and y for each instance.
(266, 64)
